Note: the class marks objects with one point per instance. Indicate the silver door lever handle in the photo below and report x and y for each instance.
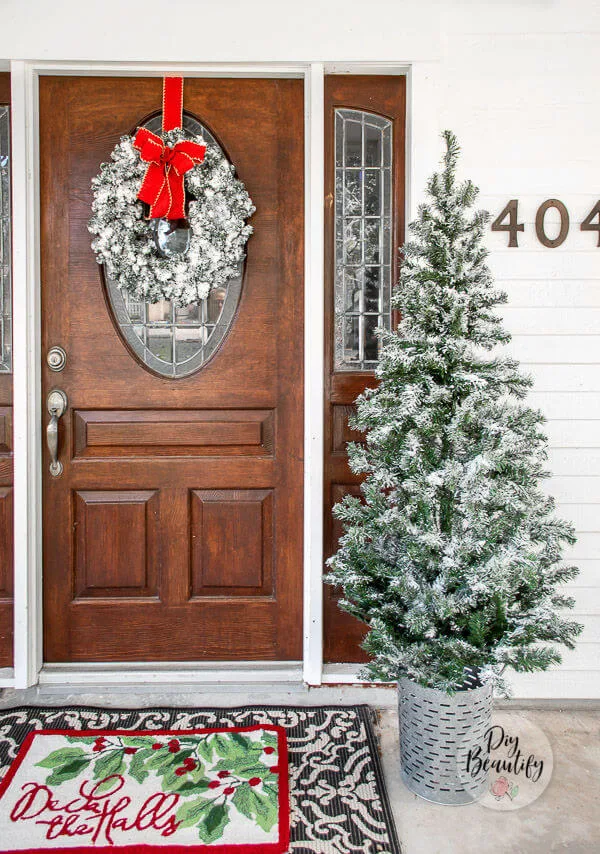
(57, 406)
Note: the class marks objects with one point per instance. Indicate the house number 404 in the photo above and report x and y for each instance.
(508, 220)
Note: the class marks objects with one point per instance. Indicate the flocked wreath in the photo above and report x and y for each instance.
(216, 209)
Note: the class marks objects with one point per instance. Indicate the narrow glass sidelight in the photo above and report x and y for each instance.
(172, 340)
(5, 245)
(363, 236)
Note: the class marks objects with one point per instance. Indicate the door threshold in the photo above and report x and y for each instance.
(171, 673)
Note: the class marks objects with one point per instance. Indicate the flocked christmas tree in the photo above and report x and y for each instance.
(452, 556)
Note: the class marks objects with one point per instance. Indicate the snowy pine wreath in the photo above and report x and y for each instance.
(125, 244)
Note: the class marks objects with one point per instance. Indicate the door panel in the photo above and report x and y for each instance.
(175, 530)
(380, 98)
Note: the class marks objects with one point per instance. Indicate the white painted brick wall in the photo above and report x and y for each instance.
(518, 83)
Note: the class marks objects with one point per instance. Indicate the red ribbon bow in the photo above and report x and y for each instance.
(163, 185)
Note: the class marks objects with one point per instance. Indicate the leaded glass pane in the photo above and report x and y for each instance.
(363, 236)
(5, 244)
(175, 341)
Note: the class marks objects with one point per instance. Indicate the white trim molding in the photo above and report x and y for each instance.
(28, 625)
(172, 673)
(314, 364)
(26, 377)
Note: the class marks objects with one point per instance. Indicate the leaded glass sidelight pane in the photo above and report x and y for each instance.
(363, 236)
(174, 340)
(5, 245)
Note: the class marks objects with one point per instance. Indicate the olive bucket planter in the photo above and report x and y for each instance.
(438, 731)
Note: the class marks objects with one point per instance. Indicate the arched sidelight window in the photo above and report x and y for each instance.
(364, 229)
(171, 340)
(363, 236)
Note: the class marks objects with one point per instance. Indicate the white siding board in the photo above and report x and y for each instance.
(557, 682)
(517, 264)
(583, 405)
(560, 377)
(591, 626)
(554, 294)
(542, 349)
(587, 599)
(584, 657)
(589, 574)
(572, 434)
(587, 546)
(574, 490)
(585, 517)
(574, 462)
(548, 320)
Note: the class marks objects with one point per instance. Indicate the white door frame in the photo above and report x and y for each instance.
(28, 413)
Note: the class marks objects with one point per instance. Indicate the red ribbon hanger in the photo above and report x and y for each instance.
(163, 185)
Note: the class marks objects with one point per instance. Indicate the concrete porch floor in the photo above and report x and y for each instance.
(566, 817)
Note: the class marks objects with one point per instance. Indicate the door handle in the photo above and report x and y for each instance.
(57, 406)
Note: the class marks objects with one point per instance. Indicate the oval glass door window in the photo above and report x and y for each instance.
(173, 340)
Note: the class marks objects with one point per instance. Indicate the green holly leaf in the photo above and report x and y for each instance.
(193, 788)
(144, 741)
(61, 757)
(68, 771)
(196, 780)
(241, 740)
(269, 739)
(228, 748)
(258, 806)
(105, 785)
(177, 760)
(137, 766)
(190, 813)
(158, 758)
(246, 766)
(109, 763)
(162, 759)
(214, 823)
(205, 748)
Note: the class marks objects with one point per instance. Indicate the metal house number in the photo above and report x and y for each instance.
(508, 220)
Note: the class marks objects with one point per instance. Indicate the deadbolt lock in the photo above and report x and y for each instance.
(56, 358)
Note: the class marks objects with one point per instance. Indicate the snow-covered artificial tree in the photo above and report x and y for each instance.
(452, 554)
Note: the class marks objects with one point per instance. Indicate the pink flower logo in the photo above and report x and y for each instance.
(501, 788)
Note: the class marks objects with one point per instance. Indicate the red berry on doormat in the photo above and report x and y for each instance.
(190, 764)
(223, 774)
(229, 790)
(274, 769)
(130, 750)
(269, 750)
(254, 781)
(157, 746)
(214, 784)
(181, 771)
(174, 746)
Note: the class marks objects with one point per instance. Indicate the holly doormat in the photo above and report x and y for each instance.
(225, 781)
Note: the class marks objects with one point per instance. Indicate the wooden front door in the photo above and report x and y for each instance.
(175, 529)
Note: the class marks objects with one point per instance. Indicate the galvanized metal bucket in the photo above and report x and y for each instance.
(442, 739)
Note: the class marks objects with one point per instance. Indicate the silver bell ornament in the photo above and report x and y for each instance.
(171, 236)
